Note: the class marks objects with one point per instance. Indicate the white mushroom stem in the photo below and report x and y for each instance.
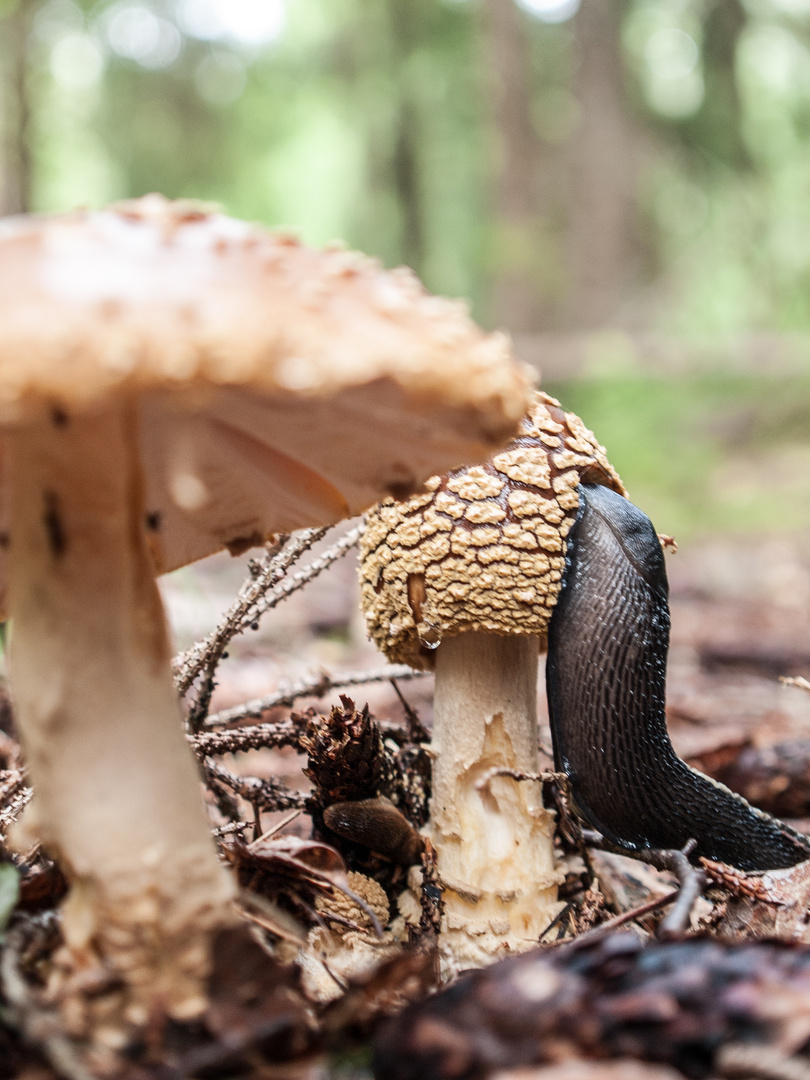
(117, 793)
(494, 842)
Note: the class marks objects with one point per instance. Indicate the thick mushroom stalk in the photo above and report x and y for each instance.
(118, 796)
(493, 837)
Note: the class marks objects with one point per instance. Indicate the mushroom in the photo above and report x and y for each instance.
(464, 579)
(173, 382)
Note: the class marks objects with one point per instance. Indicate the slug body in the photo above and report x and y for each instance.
(378, 825)
(606, 680)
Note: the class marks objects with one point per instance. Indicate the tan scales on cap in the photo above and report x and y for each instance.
(227, 303)
(276, 386)
(484, 550)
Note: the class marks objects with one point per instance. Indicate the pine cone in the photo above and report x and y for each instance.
(347, 757)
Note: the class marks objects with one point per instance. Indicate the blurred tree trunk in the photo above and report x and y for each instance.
(718, 122)
(405, 38)
(516, 292)
(603, 242)
(15, 110)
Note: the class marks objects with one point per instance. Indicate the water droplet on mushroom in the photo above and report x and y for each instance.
(429, 636)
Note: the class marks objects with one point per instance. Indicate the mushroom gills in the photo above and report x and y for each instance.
(606, 681)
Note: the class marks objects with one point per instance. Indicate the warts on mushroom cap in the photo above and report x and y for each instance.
(434, 566)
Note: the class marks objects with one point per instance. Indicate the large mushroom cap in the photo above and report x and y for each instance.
(173, 382)
(484, 549)
(313, 382)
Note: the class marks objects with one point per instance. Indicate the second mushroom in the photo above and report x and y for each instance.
(464, 580)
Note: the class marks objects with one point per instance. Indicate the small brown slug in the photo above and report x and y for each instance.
(378, 825)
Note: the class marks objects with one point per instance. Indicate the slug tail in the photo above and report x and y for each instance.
(606, 684)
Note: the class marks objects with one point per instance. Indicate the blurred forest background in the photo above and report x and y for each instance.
(622, 184)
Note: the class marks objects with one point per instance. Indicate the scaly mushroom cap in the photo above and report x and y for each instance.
(279, 386)
(436, 565)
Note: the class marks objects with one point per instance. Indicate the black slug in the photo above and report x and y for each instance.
(606, 680)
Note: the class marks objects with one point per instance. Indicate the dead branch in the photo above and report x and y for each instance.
(798, 681)
(314, 686)
(279, 556)
(14, 807)
(231, 828)
(692, 882)
(269, 794)
(759, 1062)
(258, 737)
(591, 937)
(302, 577)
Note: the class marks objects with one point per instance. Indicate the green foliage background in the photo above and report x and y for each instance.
(373, 121)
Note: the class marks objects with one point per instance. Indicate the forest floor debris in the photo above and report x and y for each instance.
(286, 753)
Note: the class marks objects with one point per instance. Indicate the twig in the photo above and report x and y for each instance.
(279, 556)
(12, 781)
(515, 774)
(316, 686)
(692, 882)
(13, 808)
(270, 794)
(302, 577)
(417, 731)
(795, 680)
(757, 1062)
(231, 828)
(278, 827)
(237, 740)
(605, 928)
(362, 904)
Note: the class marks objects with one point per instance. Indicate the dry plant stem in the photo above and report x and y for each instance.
(746, 1061)
(293, 582)
(268, 794)
(117, 792)
(590, 937)
(237, 740)
(692, 882)
(691, 879)
(13, 808)
(797, 681)
(313, 687)
(494, 844)
(206, 653)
